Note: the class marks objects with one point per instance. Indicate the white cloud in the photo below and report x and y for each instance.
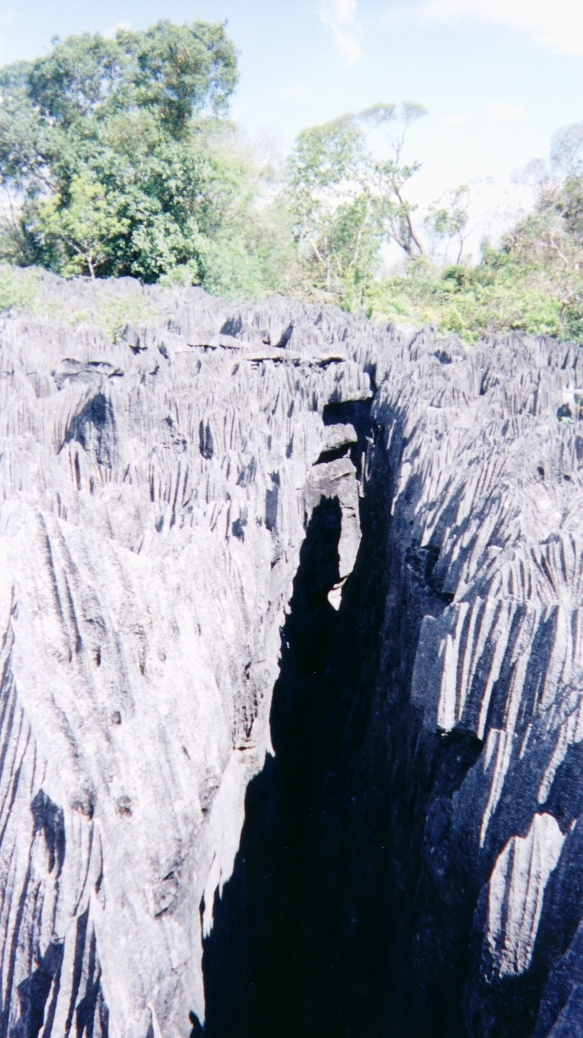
(505, 113)
(340, 17)
(455, 120)
(558, 25)
(111, 33)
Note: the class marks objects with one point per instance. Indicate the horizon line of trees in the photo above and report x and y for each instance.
(117, 158)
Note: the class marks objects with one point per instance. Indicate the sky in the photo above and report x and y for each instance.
(497, 77)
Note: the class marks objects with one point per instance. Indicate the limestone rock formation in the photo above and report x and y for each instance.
(154, 497)
(167, 500)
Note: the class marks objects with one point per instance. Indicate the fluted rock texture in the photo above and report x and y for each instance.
(487, 452)
(156, 493)
(153, 509)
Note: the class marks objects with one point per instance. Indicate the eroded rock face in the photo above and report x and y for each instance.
(156, 494)
(486, 530)
(154, 500)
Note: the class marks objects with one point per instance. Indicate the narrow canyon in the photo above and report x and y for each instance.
(291, 639)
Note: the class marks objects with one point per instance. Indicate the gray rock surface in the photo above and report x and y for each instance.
(155, 496)
(487, 516)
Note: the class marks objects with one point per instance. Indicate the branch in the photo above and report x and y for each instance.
(556, 248)
(317, 252)
(407, 216)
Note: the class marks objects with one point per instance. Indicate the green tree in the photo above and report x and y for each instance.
(84, 225)
(344, 200)
(123, 162)
(448, 220)
(392, 175)
(179, 71)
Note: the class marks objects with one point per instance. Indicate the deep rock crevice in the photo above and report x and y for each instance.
(355, 907)
(297, 940)
(368, 778)
(318, 930)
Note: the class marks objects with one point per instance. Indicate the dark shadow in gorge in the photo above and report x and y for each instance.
(295, 947)
(331, 924)
(262, 926)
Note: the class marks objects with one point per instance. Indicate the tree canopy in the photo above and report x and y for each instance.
(345, 200)
(119, 158)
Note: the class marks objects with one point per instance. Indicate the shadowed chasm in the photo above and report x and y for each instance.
(315, 934)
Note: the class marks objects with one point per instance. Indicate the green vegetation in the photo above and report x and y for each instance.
(18, 289)
(532, 283)
(344, 202)
(117, 158)
(498, 295)
(29, 290)
(121, 164)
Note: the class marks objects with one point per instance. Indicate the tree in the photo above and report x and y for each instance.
(180, 71)
(84, 225)
(174, 70)
(552, 234)
(123, 163)
(345, 201)
(532, 281)
(448, 220)
(392, 175)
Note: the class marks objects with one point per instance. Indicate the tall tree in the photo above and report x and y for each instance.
(345, 199)
(121, 162)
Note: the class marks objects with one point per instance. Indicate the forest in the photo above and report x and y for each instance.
(118, 158)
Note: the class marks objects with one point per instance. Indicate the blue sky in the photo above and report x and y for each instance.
(497, 76)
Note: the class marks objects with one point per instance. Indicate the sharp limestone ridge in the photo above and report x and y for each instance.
(155, 495)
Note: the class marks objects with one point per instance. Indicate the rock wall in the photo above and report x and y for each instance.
(160, 494)
(154, 498)
(485, 534)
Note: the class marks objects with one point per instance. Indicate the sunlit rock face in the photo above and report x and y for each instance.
(156, 493)
(154, 501)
